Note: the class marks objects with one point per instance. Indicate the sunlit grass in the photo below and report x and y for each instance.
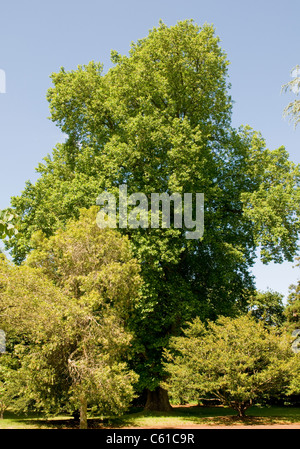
(185, 416)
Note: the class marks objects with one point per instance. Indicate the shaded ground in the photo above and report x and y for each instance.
(188, 417)
(230, 422)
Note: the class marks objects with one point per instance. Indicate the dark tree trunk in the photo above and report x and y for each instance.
(241, 409)
(83, 413)
(158, 400)
(76, 415)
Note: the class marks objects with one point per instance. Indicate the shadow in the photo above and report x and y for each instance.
(183, 415)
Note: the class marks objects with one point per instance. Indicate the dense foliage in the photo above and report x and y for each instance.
(63, 313)
(236, 361)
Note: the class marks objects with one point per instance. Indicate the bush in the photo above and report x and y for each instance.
(235, 360)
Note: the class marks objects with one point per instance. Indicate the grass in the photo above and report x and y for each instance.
(211, 416)
(182, 416)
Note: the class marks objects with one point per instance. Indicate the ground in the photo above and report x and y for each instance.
(181, 417)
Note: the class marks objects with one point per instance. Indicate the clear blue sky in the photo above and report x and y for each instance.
(261, 39)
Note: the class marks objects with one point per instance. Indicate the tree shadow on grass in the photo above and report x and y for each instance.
(221, 416)
(179, 416)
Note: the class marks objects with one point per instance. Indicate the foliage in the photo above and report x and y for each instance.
(237, 361)
(160, 121)
(293, 108)
(7, 227)
(7, 392)
(92, 265)
(292, 309)
(268, 307)
(65, 311)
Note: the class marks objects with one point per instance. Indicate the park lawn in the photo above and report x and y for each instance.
(33, 421)
(179, 417)
(210, 416)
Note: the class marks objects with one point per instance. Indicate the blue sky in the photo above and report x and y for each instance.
(261, 39)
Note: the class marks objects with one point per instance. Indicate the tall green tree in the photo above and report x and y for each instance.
(160, 121)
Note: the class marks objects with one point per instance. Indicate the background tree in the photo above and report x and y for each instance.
(66, 308)
(237, 361)
(7, 392)
(268, 307)
(293, 108)
(292, 309)
(160, 121)
(7, 227)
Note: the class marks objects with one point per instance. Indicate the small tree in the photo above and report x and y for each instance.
(238, 361)
(76, 363)
(67, 309)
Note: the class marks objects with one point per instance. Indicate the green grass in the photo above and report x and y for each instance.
(178, 417)
(33, 421)
(185, 416)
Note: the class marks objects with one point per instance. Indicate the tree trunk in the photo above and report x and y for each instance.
(83, 413)
(241, 409)
(158, 400)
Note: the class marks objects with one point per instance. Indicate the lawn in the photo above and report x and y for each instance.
(179, 417)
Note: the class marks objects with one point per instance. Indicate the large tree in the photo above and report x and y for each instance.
(160, 121)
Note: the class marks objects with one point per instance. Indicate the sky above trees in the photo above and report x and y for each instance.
(260, 39)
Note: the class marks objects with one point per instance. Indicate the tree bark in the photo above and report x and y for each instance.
(83, 413)
(241, 409)
(158, 400)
